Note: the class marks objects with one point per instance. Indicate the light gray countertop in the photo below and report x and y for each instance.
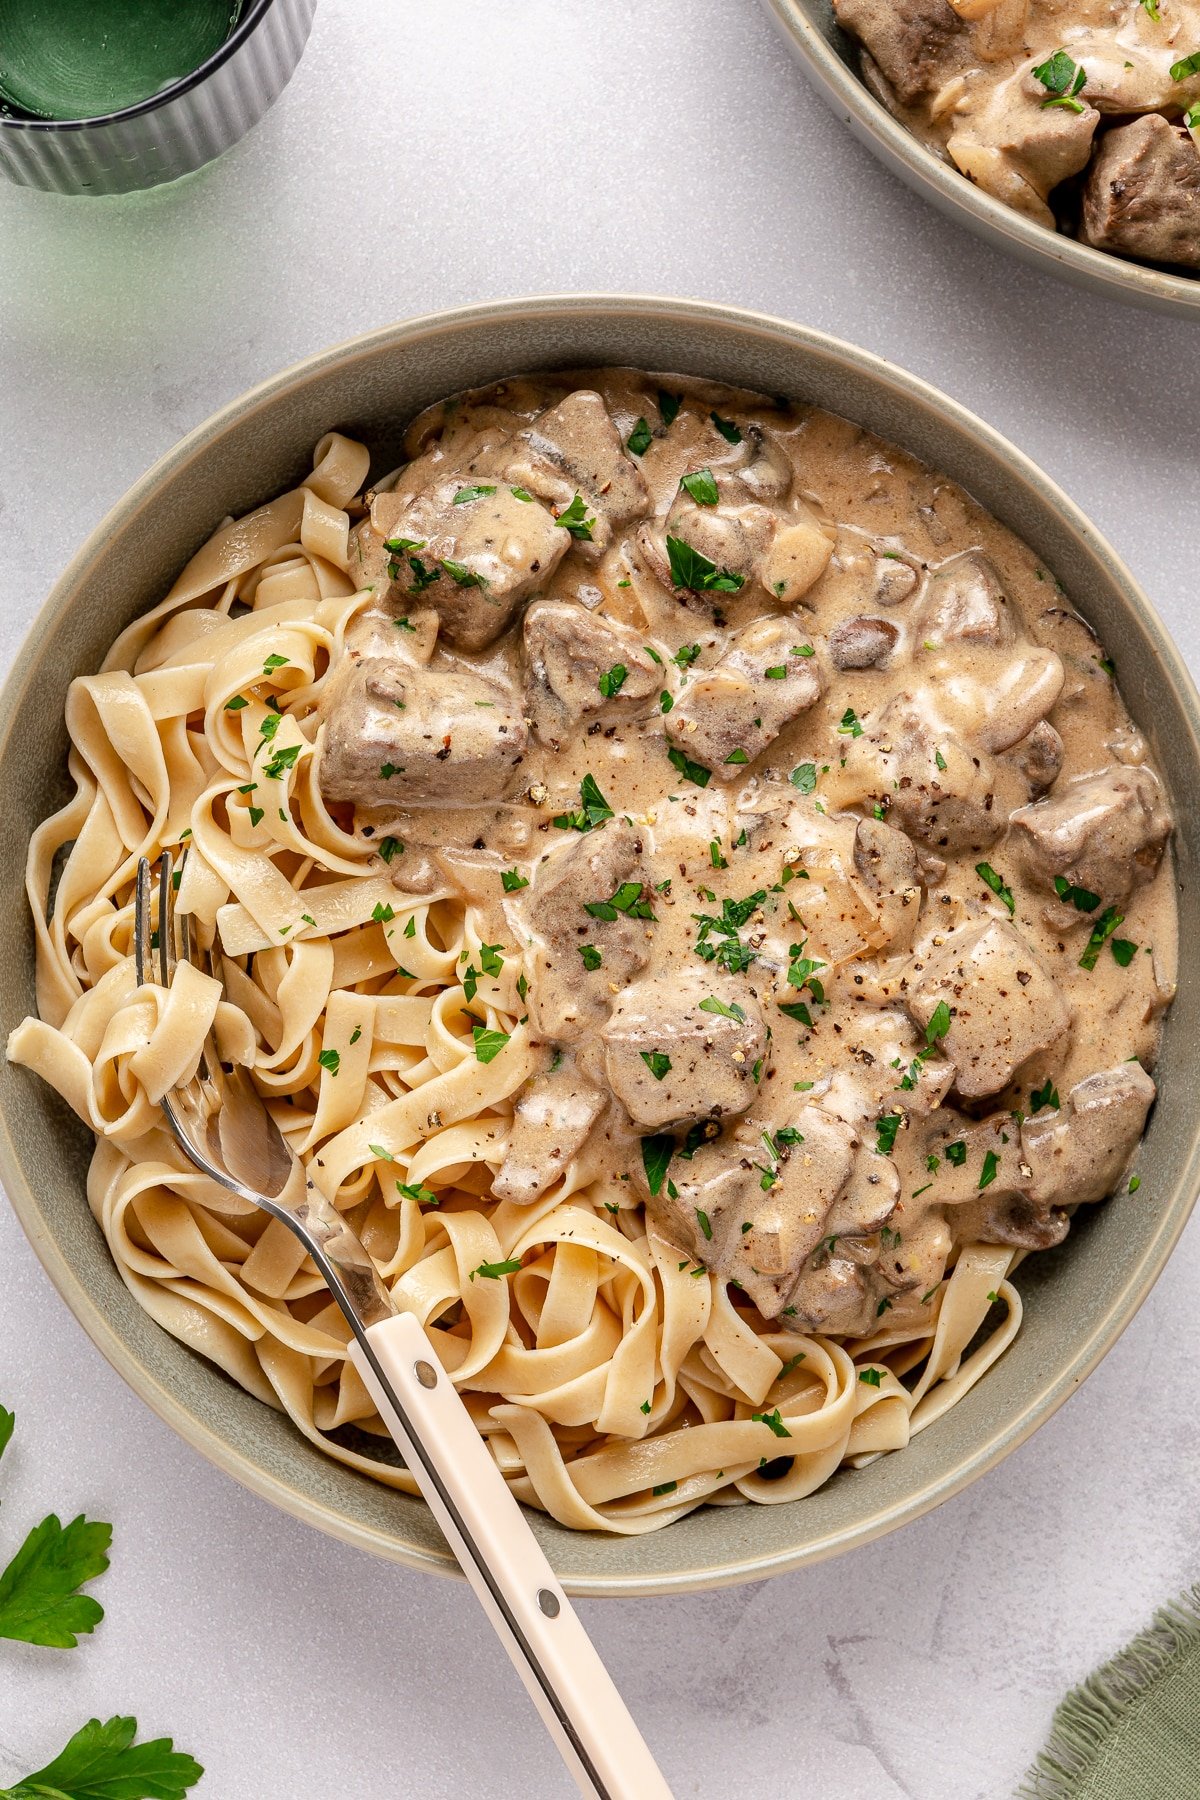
(434, 153)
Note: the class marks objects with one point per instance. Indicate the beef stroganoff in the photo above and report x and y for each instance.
(685, 883)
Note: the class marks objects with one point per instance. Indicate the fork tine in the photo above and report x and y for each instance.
(166, 919)
(141, 920)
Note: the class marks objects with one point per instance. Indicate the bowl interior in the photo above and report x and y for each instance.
(830, 58)
(1077, 1299)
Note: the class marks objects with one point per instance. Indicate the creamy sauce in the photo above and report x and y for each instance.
(1097, 141)
(758, 788)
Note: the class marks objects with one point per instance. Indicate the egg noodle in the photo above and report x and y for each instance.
(617, 1386)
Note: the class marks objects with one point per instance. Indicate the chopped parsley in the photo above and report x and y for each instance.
(462, 576)
(1103, 929)
(956, 1153)
(592, 958)
(237, 703)
(329, 1059)
(383, 913)
(658, 1063)
(727, 428)
(773, 1420)
(512, 881)
(639, 439)
(686, 655)
(1047, 1095)
(991, 1163)
(668, 406)
(613, 680)
(593, 807)
(664, 1487)
(885, 1132)
(465, 494)
(691, 569)
(520, 493)
(702, 486)
(657, 1152)
(872, 1377)
(488, 1044)
(415, 1190)
(691, 771)
(497, 1270)
(1186, 67)
(804, 777)
(1124, 951)
(702, 1220)
(723, 1009)
(574, 518)
(851, 725)
(626, 899)
(730, 953)
(999, 887)
(1082, 899)
(389, 847)
(1063, 78)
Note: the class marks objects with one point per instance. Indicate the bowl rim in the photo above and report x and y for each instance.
(1117, 276)
(1137, 1280)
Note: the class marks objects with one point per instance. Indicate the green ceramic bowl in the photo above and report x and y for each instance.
(830, 60)
(1078, 1299)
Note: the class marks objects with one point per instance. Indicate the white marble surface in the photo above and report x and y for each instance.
(437, 151)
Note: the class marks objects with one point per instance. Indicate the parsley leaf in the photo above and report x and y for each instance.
(331, 1060)
(592, 958)
(102, 1762)
(1043, 1096)
(657, 1152)
(465, 494)
(613, 680)
(389, 847)
(1186, 67)
(956, 1153)
(511, 881)
(494, 1271)
(702, 486)
(38, 1601)
(1124, 951)
(1063, 79)
(872, 1377)
(938, 1025)
(488, 1044)
(1104, 927)
(691, 569)
(462, 576)
(722, 1009)
(727, 428)
(851, 725)
(574, 518)
(593, 808)
(885, 1132)
(1082, 899)
(691, 771)
(804, 777)
(997, 883)
(668, 406)
(626, 899)
(658, 1063)
(773, 1420)
(639, 439)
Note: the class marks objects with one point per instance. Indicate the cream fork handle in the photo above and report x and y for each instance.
(506, 1566)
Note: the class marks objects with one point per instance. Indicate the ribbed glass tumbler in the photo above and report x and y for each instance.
(175, 131)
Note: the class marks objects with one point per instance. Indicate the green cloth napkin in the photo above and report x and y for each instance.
(1132, 1730)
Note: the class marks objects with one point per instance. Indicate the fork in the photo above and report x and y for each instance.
(222, 1126)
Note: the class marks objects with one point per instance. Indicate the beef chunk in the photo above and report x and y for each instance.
(965, 603)
(1079, 1153)
(1019, 696)
(763, 1217)
(728, 714)
(397, 734)
(568, 650)
(1142, 195)
(735, 538)
(1064, 1157)
(907, 38)
(1011, 144)
(669, 1063)
(997, 1019)
(552, 1116)
(941, 793)
(473, 561)
(567, 998)
(862, 643)
(574, 448)
(1103, 834)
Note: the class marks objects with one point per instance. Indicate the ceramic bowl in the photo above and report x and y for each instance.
(830, 60)
(1078, 1298)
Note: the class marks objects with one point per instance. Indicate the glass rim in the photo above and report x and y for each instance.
(255, 12)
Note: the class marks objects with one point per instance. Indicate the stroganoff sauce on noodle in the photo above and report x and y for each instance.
(687, 886)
